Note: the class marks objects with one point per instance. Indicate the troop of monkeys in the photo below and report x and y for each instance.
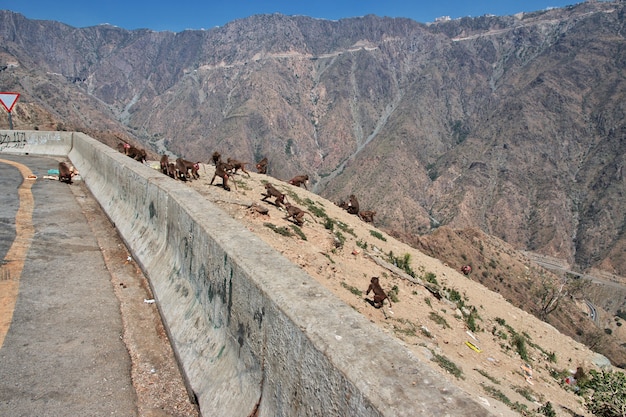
(185, 170)
(352, 207)
(180, 170)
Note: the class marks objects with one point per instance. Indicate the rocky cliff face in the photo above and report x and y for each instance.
(514, 124)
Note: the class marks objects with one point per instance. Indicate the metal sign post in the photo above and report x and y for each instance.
(8, 100)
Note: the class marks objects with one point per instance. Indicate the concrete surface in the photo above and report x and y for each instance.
(255, 335)
(36, 142)
(63, 354)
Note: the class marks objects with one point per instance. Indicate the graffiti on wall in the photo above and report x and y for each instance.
(13, 140)
(10, 140)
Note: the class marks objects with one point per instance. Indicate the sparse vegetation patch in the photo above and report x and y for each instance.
(378, 235)
(402, 262)
(298, 231)
(448, 365)
(499, 395)
(281, 230)
(440, 320)
(352, 289)
(393, 294)
(489, 377)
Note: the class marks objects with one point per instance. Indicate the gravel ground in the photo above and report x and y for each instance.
(155, 374)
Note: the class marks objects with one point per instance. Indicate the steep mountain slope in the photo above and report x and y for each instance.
(434, 309)
(514, 125)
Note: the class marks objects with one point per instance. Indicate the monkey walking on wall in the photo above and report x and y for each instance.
(187, 169)
(164, 162)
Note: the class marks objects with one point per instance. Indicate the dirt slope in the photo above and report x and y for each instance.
(343, 257)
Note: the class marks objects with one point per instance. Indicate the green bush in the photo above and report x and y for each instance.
(547, 410)
(431, 277)
(519, 343)
(605, 393)
(404, 262)
(393, 294)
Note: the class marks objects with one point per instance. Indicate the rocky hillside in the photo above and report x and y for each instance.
(503, 357)
(510, 125)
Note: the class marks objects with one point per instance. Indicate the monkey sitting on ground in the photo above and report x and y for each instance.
(367, 216)
(297, 214)
(222, 170)
(353, 205)
(216, 157)
(261, 166)
(65, 173)
(466, 269)
(271, 191)
(342, 204)
(379, 294)
(299, 180)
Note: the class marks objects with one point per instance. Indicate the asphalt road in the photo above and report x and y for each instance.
(63, 353)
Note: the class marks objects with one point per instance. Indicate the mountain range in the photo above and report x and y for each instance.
(511, 125)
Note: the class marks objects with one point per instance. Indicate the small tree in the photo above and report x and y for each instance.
(550, 294)
(605, 393)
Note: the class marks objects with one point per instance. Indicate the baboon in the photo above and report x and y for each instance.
(353, 205)
(271, 191)
(297, 214)
(65, 173)
(379, 293)
(216, 157)
(367, 216)
(221, 170)
(164, 163)
(186, 167)
(261, 166)
(238, 165)
(299, 180)
(466, 269)
(137, 154)
(171, 170)
(123, 147)
(343, 204)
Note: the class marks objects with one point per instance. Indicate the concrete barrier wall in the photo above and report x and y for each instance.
(35, 142)
(254, 334)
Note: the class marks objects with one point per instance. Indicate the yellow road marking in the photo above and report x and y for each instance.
(13, 263)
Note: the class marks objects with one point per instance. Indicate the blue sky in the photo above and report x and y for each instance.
(180, 15)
